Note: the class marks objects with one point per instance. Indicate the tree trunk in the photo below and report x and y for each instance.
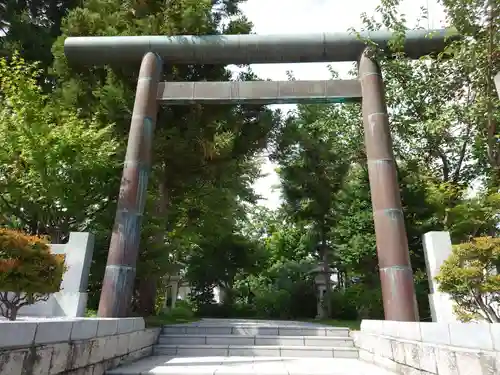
(12, 313)
(326, 305)
(9, 307)
(147, 297)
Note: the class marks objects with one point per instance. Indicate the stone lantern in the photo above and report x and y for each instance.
(319, 281)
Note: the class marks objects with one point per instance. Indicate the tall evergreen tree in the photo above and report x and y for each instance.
(196, 148)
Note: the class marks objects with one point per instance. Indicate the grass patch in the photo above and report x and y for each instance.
(161, 320)
(351, 324)
(169, 319)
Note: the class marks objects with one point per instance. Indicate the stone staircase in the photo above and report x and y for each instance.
(255, 338)
(253, 347)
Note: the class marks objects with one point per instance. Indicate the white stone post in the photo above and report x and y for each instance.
(71, 301)
(437, 248)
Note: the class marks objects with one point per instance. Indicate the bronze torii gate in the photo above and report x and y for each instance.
(392, 244)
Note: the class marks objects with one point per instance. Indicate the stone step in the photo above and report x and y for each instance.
(186, 339)
(167, 365)
(248, 330)
(255, 351)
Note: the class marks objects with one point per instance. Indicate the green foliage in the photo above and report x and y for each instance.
(444, 110)
(32, 27)
(227, 256)
(90, 313)
(273, 303)
(182, 313)
(355, 233)
(182, 310)
(60, 167)
(283, 290)
(296, 302)
(357, 302)
(52, 162)
(313, 163)
(470, 276)
(476, 215)
(28, 271)
(314, 159)
(203, 163)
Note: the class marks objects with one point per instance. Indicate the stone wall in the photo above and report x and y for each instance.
(430, 348)
(79, 346)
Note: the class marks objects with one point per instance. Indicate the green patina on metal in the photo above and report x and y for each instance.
(248, 48)
(315, 100)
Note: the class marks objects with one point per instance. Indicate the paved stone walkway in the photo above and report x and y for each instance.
(163, 365)
(205, 364)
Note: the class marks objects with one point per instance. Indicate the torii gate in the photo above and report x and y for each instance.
(392, 243)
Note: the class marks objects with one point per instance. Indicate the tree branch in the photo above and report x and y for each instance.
(17, 212)
(493, 147)
(456, 173)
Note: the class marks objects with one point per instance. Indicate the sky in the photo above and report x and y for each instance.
(313, 16)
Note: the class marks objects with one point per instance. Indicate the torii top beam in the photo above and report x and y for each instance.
(246, 49)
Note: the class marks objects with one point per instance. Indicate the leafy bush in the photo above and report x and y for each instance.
(342, 307)
(182, 310)
(181, 313)
(272, 303)
(276, 302)
(243, 310)
(303, 300)
(357, 302)
(285, 291)
(28, 271)
(214, 310)
(90, 313)
(470, 276)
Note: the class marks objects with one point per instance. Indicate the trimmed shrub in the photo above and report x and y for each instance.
(28, 271)
(471, 276)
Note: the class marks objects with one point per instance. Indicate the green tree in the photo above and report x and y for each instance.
(197, 148)
(52, 162)
(32, 27)
(216, 262)
(478, 55)
(442, 141)
(444, 110)
(314, 155)
(470, 276)
(28, 271)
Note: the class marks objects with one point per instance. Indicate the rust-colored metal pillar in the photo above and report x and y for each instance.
(118, 283)
(396, 274)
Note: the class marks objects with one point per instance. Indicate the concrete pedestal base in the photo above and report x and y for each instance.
(70, 304)
(441, 307)
(60, 304)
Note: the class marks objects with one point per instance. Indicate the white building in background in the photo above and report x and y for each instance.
(179, 289)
